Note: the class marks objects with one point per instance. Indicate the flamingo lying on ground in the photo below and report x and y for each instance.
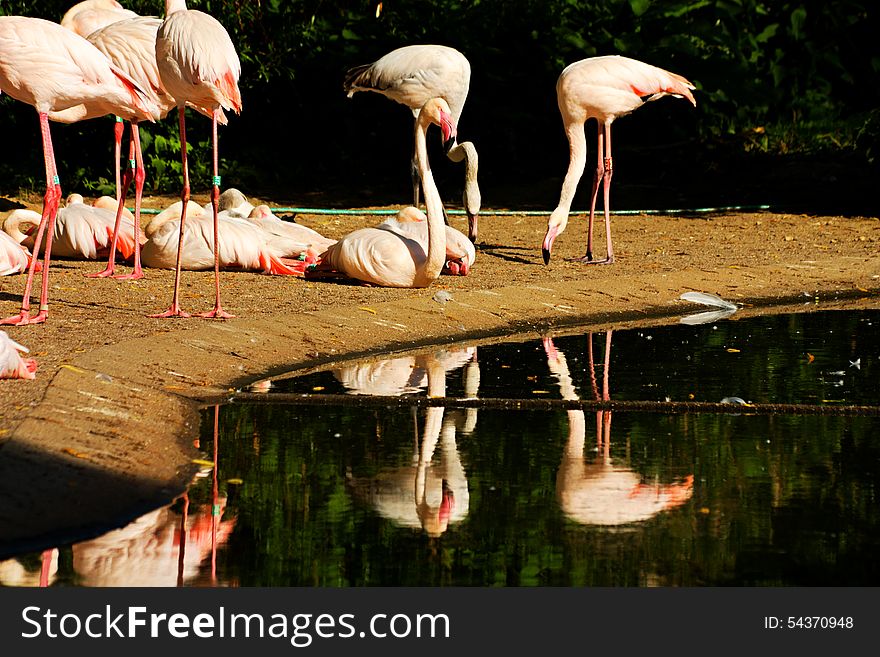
(384, 257)
(198, 65)
(602, 88)
(90, 15)
(12, 365)
(235, 204)
(82, 232)
(241, 245)
(410, 76)
(412, 223)
(14, 258)
(54, 69)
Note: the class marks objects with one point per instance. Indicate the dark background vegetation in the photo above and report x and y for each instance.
(788, 104)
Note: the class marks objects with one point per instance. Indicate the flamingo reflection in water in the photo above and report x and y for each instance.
(428, 493)
(602, 492)
(162, 548)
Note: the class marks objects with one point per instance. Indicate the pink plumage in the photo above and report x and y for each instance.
(12, 364)
(602, 88)
(53, 69)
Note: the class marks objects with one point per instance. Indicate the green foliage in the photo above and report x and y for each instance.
(793, 76)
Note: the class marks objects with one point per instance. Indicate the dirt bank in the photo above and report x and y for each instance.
(106, 429)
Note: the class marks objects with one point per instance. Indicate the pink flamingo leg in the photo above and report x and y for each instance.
(47, 227)
(603, 173)
(181, 555)
(174, 310)
(45, 566)
(139, 177)
(217, 312)
(122, 193)
(118, 129)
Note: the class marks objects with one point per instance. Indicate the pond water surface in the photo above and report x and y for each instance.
(340, 496)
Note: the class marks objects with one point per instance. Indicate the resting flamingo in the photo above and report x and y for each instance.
(601, 88)
(198, 64)
(87, 16)
(603, 492)
(381, 256)
(14, 258)
(82, 232)
(12, 364)
(54, 69)
(460, 252)
(410, 76)
(235, 204)
(241, 245)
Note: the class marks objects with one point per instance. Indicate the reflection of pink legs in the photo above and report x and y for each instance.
(181, 555)
(45, 567)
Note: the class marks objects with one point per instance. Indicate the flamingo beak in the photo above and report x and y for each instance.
(447, 126)
(547, 246)
(472, 226)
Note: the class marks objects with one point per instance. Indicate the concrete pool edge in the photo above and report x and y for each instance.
(112, 436)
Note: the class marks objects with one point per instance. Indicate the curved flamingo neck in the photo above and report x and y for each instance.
(172, 6)
(436, 257)
(13, 224)
(577, 153)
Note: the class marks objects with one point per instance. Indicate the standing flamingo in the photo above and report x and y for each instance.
(198, 64)
(131, 45)
(410, 76)
(384, 257)
(87, 16)
(602, 88)
(54, 69)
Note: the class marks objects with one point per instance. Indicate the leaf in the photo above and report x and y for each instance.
(639, 7)
(798, 18)
(366, 309)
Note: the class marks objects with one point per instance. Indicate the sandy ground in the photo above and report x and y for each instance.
(105, 431)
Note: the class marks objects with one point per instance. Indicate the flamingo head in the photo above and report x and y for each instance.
(555, 225)
(437, 111)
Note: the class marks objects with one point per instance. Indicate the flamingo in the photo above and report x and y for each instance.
(54, 69)
(12, 364)
(412, 223)
(131, 44)
(602, 88)
(87, 16)
(603, 493)
(14, 258)
(430, 494)
(384, 257)
(240, 244)
(198, 64)
(410, 76)
(235, 204)
(82, 232)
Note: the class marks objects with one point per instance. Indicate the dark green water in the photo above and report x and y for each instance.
(345, 496)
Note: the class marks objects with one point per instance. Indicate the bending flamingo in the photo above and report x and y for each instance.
(460, 252)
(410, 76)
(602, 88)
(198, 64)
(54, 69)
(384, 257)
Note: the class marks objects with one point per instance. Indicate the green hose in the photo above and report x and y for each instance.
(490, 213)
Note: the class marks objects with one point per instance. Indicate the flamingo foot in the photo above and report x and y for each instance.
(216, 313)
(588, 260)
(136, 275)
(24, 318)
(104, 273)
(173, 311)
